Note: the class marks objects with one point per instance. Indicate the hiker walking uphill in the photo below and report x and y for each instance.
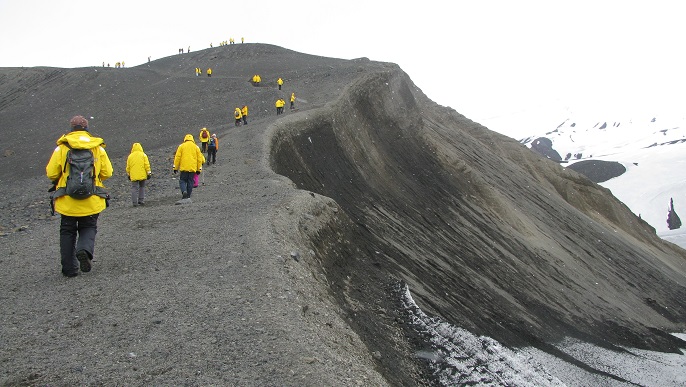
(280, 103)
(212, 148)
(204, 138)
(189, 160)
(80, 200)
(238, 115)
(244, 114)
(292, 101)
(138, 169)
(279, 82)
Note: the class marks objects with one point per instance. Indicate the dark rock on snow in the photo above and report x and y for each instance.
(598, 171)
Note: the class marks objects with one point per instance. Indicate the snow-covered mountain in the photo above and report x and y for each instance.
(652, 150)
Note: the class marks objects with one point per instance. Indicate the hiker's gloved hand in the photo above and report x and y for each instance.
(175, 171)
(149, 175)
(197, 173)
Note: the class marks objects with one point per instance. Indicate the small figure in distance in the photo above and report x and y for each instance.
(244, 113)
(138, 169)
(212, 148)
(237, 115)
(209, 72)
(279, 82)
(292, 101)
(204, 138)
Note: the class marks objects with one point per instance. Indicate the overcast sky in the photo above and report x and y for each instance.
(486, 59)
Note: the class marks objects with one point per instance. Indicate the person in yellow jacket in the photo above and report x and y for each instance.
(209, 72)
(238, 115)
(79, 217)
(292, 101)
(189, 160)
(256, 79)
(204, 138)
(244, 114)
(138, 169)
(279, 82)
(280, 103)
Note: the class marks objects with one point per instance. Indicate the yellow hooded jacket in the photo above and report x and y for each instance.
(188, 157)
(237, 113)
(137, 164)
(206, 139)
(244, 111)
(55, 170)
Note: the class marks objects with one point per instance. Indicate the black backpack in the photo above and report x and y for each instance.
(212, 143)
(81, 178)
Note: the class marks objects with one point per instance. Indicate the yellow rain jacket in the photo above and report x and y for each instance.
(55, 170)
(237, 113)
(137, 164)
(206, 139)
(279, 81)
(188, 157)
(244, 111)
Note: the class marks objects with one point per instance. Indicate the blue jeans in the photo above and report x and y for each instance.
(186, 182)
(76, 233)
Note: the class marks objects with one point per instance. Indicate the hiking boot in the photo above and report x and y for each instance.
(141, 203)
(185, 195)
(70, 275)
(84, 260)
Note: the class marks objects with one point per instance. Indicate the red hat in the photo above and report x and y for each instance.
(78, 122)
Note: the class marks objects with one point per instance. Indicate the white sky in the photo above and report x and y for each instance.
(486, 59)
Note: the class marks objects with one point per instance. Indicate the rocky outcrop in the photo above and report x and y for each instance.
(598, 171)
(544, 146)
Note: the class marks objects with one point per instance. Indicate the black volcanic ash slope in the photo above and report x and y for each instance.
(487, 234)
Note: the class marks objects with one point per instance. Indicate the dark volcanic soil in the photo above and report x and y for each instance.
(285, 268)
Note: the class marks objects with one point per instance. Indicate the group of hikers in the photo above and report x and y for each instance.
(280, 103)
(198, 71)
(241, 115)
(80, 200)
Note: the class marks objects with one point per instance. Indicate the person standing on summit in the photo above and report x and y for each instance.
(79, 211)
(189, 160)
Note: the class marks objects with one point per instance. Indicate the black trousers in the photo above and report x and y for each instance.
(211, 155)
(76, 233)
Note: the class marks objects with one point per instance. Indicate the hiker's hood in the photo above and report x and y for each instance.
(189, 137)
(80, 139)
(136, 147)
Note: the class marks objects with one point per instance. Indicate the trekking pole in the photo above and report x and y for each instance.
(203, 177)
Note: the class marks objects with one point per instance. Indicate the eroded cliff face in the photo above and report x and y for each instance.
(487, 234)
